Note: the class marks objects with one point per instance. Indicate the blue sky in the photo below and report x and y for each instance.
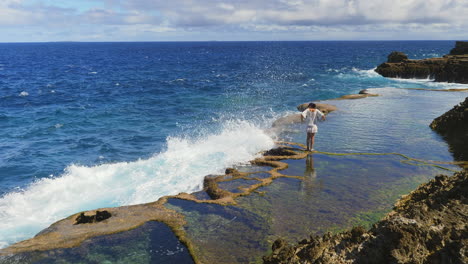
(198, 20)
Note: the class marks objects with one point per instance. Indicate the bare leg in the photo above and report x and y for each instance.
(312, 140)
(308, 141)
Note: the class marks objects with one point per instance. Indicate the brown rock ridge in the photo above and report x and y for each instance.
(450, 68)
(427, 226)
(453, 126)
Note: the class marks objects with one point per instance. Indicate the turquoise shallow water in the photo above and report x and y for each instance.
(89, 125)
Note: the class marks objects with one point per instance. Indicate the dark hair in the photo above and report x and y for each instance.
(312, 105)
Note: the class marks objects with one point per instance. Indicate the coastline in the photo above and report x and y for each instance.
(175, 220)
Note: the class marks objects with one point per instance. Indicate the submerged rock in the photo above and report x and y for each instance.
(453, 126)
(287, 120)
(427, 226)
(450, 68)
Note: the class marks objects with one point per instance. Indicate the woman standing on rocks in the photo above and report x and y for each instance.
(310, 114)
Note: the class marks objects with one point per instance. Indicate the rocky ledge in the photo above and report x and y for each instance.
(453, 126)
(450, 68)
(427, 226)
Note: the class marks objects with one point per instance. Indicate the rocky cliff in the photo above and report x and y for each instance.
(449, 68)
(453, 126)
(461, 47)
(427, 226)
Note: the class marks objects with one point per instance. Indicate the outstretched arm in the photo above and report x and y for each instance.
(322, 115)
(303, 115)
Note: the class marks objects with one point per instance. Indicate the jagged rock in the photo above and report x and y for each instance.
(231, 171)
(280, 152)
(427, 226)
(461, 48)
(453, 126)
(450, 68)
(210, 186)
(89, 219)
(365, 91)
(397, 56)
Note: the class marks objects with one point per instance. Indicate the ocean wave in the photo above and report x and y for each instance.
(367, 73)
(180, 168)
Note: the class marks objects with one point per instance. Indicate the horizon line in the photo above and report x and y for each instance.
(166, 41)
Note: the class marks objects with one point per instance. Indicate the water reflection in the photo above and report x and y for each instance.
(309, 169)
(310, 185)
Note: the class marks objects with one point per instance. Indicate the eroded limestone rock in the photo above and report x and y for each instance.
(427, 226)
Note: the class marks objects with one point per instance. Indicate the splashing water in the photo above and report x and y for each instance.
(180, 168)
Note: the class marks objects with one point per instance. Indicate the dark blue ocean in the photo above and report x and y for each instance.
(89, 125)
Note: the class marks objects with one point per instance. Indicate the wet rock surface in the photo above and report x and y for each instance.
(449, 68)
(453, 126)
(427, 226)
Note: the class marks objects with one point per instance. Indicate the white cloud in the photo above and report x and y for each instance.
(135, 18)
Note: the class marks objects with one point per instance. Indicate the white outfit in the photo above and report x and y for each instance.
(311, 119)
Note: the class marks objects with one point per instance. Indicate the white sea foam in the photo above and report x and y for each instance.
(180, 168)
(24, 93)
(366, 73)
(431, 84)
(358, 73)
